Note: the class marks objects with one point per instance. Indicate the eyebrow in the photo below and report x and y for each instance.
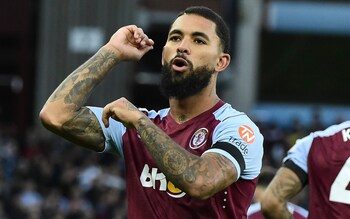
(197, 33)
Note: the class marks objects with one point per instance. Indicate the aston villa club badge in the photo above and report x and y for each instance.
(199, 138)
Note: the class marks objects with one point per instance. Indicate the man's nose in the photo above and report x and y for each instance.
(183, 47)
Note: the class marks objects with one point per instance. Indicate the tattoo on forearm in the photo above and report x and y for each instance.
(81, 87)
(175, 160)
(171, 159)
(84, 128)
(182, 167)
(286, 188)
(283, 187)
(78, 86)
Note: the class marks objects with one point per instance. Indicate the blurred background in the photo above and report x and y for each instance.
(289, 72)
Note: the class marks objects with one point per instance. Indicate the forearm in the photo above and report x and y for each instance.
(278, 212)
(282, 188)
(73, 92)
(194, 175)
(63, 113)
(172, 159)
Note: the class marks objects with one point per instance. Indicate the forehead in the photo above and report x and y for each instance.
(190, 23)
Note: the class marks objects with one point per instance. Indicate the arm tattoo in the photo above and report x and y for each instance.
(287, 187)
(84, 129)
(77, 87)
(79, 100)
(172, 159)
(180, 166)
(284, 187)
(175, 161)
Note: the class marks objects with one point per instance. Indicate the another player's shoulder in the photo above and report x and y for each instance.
(333, 129)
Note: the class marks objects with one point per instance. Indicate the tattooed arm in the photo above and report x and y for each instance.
(285, 185)
(200, 177)
(64, 114)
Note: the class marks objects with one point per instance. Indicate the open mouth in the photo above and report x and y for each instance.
(180, 64)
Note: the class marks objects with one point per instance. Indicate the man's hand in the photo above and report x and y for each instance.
(123, 111)
(130, 43)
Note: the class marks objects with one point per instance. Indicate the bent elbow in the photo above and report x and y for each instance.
(49, 119)
(45, 118)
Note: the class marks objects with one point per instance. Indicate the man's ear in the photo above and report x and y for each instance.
(223, 62)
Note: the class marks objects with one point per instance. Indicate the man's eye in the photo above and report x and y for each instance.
(174, 38)
(198, 41)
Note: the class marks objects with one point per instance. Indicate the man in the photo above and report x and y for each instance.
(265, 177)
(322, 160)
(199, 158)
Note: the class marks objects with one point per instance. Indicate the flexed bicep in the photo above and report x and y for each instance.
(84, 130)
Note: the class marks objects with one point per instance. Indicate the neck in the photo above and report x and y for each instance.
(186, 109)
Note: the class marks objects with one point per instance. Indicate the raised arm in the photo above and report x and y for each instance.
(64, 112)
(284, 186)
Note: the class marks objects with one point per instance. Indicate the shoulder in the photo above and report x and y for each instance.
(306, 142)
(334, 130)
(234, 119)
(301, 149)
(241, 134)
(238, 129)
(226, 111)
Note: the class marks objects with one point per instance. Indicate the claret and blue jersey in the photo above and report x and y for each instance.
(323, 161)
(220, 130)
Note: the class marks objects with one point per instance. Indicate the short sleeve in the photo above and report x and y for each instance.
(113, 134)
(242, 134)
(299, 152)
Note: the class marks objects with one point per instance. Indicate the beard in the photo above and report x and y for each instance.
(180, 85)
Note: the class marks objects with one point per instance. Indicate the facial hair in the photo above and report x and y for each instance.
(180, 85)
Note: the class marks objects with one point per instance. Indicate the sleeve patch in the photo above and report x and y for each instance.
(246, 133)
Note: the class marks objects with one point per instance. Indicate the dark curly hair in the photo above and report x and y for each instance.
(222, 29)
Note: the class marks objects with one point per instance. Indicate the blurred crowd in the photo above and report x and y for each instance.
(49, 177)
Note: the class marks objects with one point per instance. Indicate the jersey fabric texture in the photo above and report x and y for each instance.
(325, 157)
(220, 130)
(254, 211)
